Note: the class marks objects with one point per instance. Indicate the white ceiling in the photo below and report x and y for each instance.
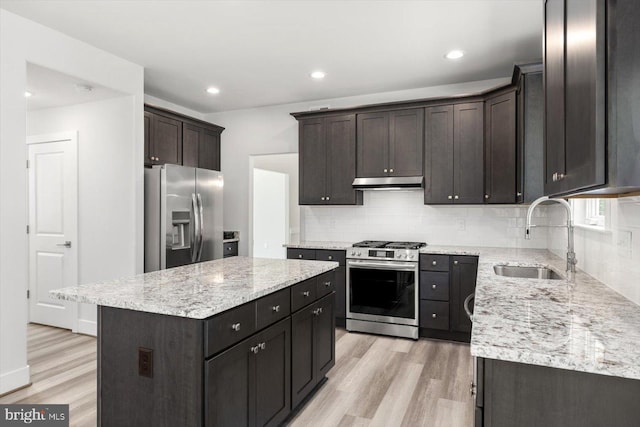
(51, 88)
(261, 52)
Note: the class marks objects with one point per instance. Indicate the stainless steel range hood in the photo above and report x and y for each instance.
(389, 183)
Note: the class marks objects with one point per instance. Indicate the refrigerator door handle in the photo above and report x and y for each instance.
(196, 228)
(201, 228)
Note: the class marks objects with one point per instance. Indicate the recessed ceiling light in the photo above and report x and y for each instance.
(454, 54)
(318, 75)
(213, 90)
(27, 94)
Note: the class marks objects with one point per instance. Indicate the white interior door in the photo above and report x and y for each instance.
(53, 226)
(270, 213)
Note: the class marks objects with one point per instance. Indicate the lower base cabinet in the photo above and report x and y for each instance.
(250, 383)
(312, 346)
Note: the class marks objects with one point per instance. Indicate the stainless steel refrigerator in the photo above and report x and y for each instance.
(182, 216)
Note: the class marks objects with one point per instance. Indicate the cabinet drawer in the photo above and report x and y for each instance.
(303, 293)
(434, 285)
(294, 253)
(229, 327)
(325, 284)
(434, 315)
(230, 249)
(273, 307)
(329, 255)
(434, 262)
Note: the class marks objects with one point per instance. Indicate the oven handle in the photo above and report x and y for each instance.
(383, 265)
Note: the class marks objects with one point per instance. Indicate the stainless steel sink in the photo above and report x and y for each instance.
(526, 272)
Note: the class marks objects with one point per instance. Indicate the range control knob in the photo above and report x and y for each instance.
(352, 253)
(411, 256)
(398, 256)
(358, 253)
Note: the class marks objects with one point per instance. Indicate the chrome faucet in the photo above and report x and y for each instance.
(571, 255)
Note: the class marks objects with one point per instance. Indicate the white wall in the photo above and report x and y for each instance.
(103, 135)
(402, 215)
(611, 256)
(23, 41)
(271, 129)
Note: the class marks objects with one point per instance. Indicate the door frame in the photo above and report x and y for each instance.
(72, 137)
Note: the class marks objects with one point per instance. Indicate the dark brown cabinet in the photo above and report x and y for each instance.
(500, 149)
(327, 161)
(229, 249)
(390, 143)
(172, 138)
(249, 384)
(312, 346)
(454, 143)
(445, 282)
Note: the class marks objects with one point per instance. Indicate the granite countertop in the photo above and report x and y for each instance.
(199, 290)
(319, 245)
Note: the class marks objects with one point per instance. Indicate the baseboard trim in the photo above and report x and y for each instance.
(87, 327)
(14, 380)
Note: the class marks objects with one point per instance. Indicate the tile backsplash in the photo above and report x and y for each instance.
(611, 255)
(402, 215)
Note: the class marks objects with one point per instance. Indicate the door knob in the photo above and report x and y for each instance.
(66, 244)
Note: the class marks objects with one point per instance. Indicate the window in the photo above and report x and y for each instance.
(590, 212)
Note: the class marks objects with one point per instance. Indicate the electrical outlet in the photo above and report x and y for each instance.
(145, 362)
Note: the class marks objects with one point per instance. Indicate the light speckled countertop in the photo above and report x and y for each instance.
(584, 326)
(199, 290)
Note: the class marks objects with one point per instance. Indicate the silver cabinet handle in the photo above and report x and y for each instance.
(434, 262)
(255, 349)
(518, 194)
(456, 197)
(385, 171)
(434, 286)
(557, 176)
(391, 170)
(327, 284)
(262, 345)
(235, 327)
(276, 308)
(455, 262)
(486, 196)
(321, 198)
(327, 198)
(449, 197)
(299, 255)
(66, 244)
(330, 257)
(433, 315)
(317, 311)
(306, 294)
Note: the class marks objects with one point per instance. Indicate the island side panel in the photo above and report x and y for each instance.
(173, 396)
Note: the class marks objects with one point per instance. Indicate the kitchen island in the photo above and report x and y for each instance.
(239, 341)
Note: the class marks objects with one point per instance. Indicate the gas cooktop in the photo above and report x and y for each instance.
(389, 245)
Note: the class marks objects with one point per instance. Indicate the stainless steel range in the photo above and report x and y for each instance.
(382, 288)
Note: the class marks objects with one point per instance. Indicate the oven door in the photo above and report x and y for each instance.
(382, 291)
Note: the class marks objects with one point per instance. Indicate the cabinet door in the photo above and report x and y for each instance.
(313, 162)
(438, 186)
(341, 159)
(167, 140)
(554, 87)
(584, 95)
(209, 150)
(148, 137)
(303, 379)
(468, 146)
(273, 375)
(228, 387)
(340, 278)
(500, 149)
(373, 145)
(324, 337)
(191, 140)
(464, 270)
(406, 136)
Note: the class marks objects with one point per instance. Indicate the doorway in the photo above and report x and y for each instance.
(52, 169)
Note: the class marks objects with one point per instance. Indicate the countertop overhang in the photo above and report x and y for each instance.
(200, 290)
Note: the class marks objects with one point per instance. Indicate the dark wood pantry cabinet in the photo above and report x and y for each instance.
(327, 161)
(454, 144)
(390, 143)
(591, 66)
(500, 148)
(177, 139)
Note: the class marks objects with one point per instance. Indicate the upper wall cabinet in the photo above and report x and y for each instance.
(500, 148)
(327, 161)
(454, 154)
(173, 138)
(390, 143)
(591, 85)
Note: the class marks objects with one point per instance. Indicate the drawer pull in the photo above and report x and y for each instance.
(228, 248)
(433, 315)
(455, 262)
(330, 257)
(299, 255)
(434, 262)
(434, 286)
(262, 345)
(235, 327)
(306, 293)
(317, 311)
(255, 349)
(276, 308)
(327, 284)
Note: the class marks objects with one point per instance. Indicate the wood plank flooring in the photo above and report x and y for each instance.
(377, 381)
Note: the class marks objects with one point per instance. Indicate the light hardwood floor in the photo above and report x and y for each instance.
(377, 381)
